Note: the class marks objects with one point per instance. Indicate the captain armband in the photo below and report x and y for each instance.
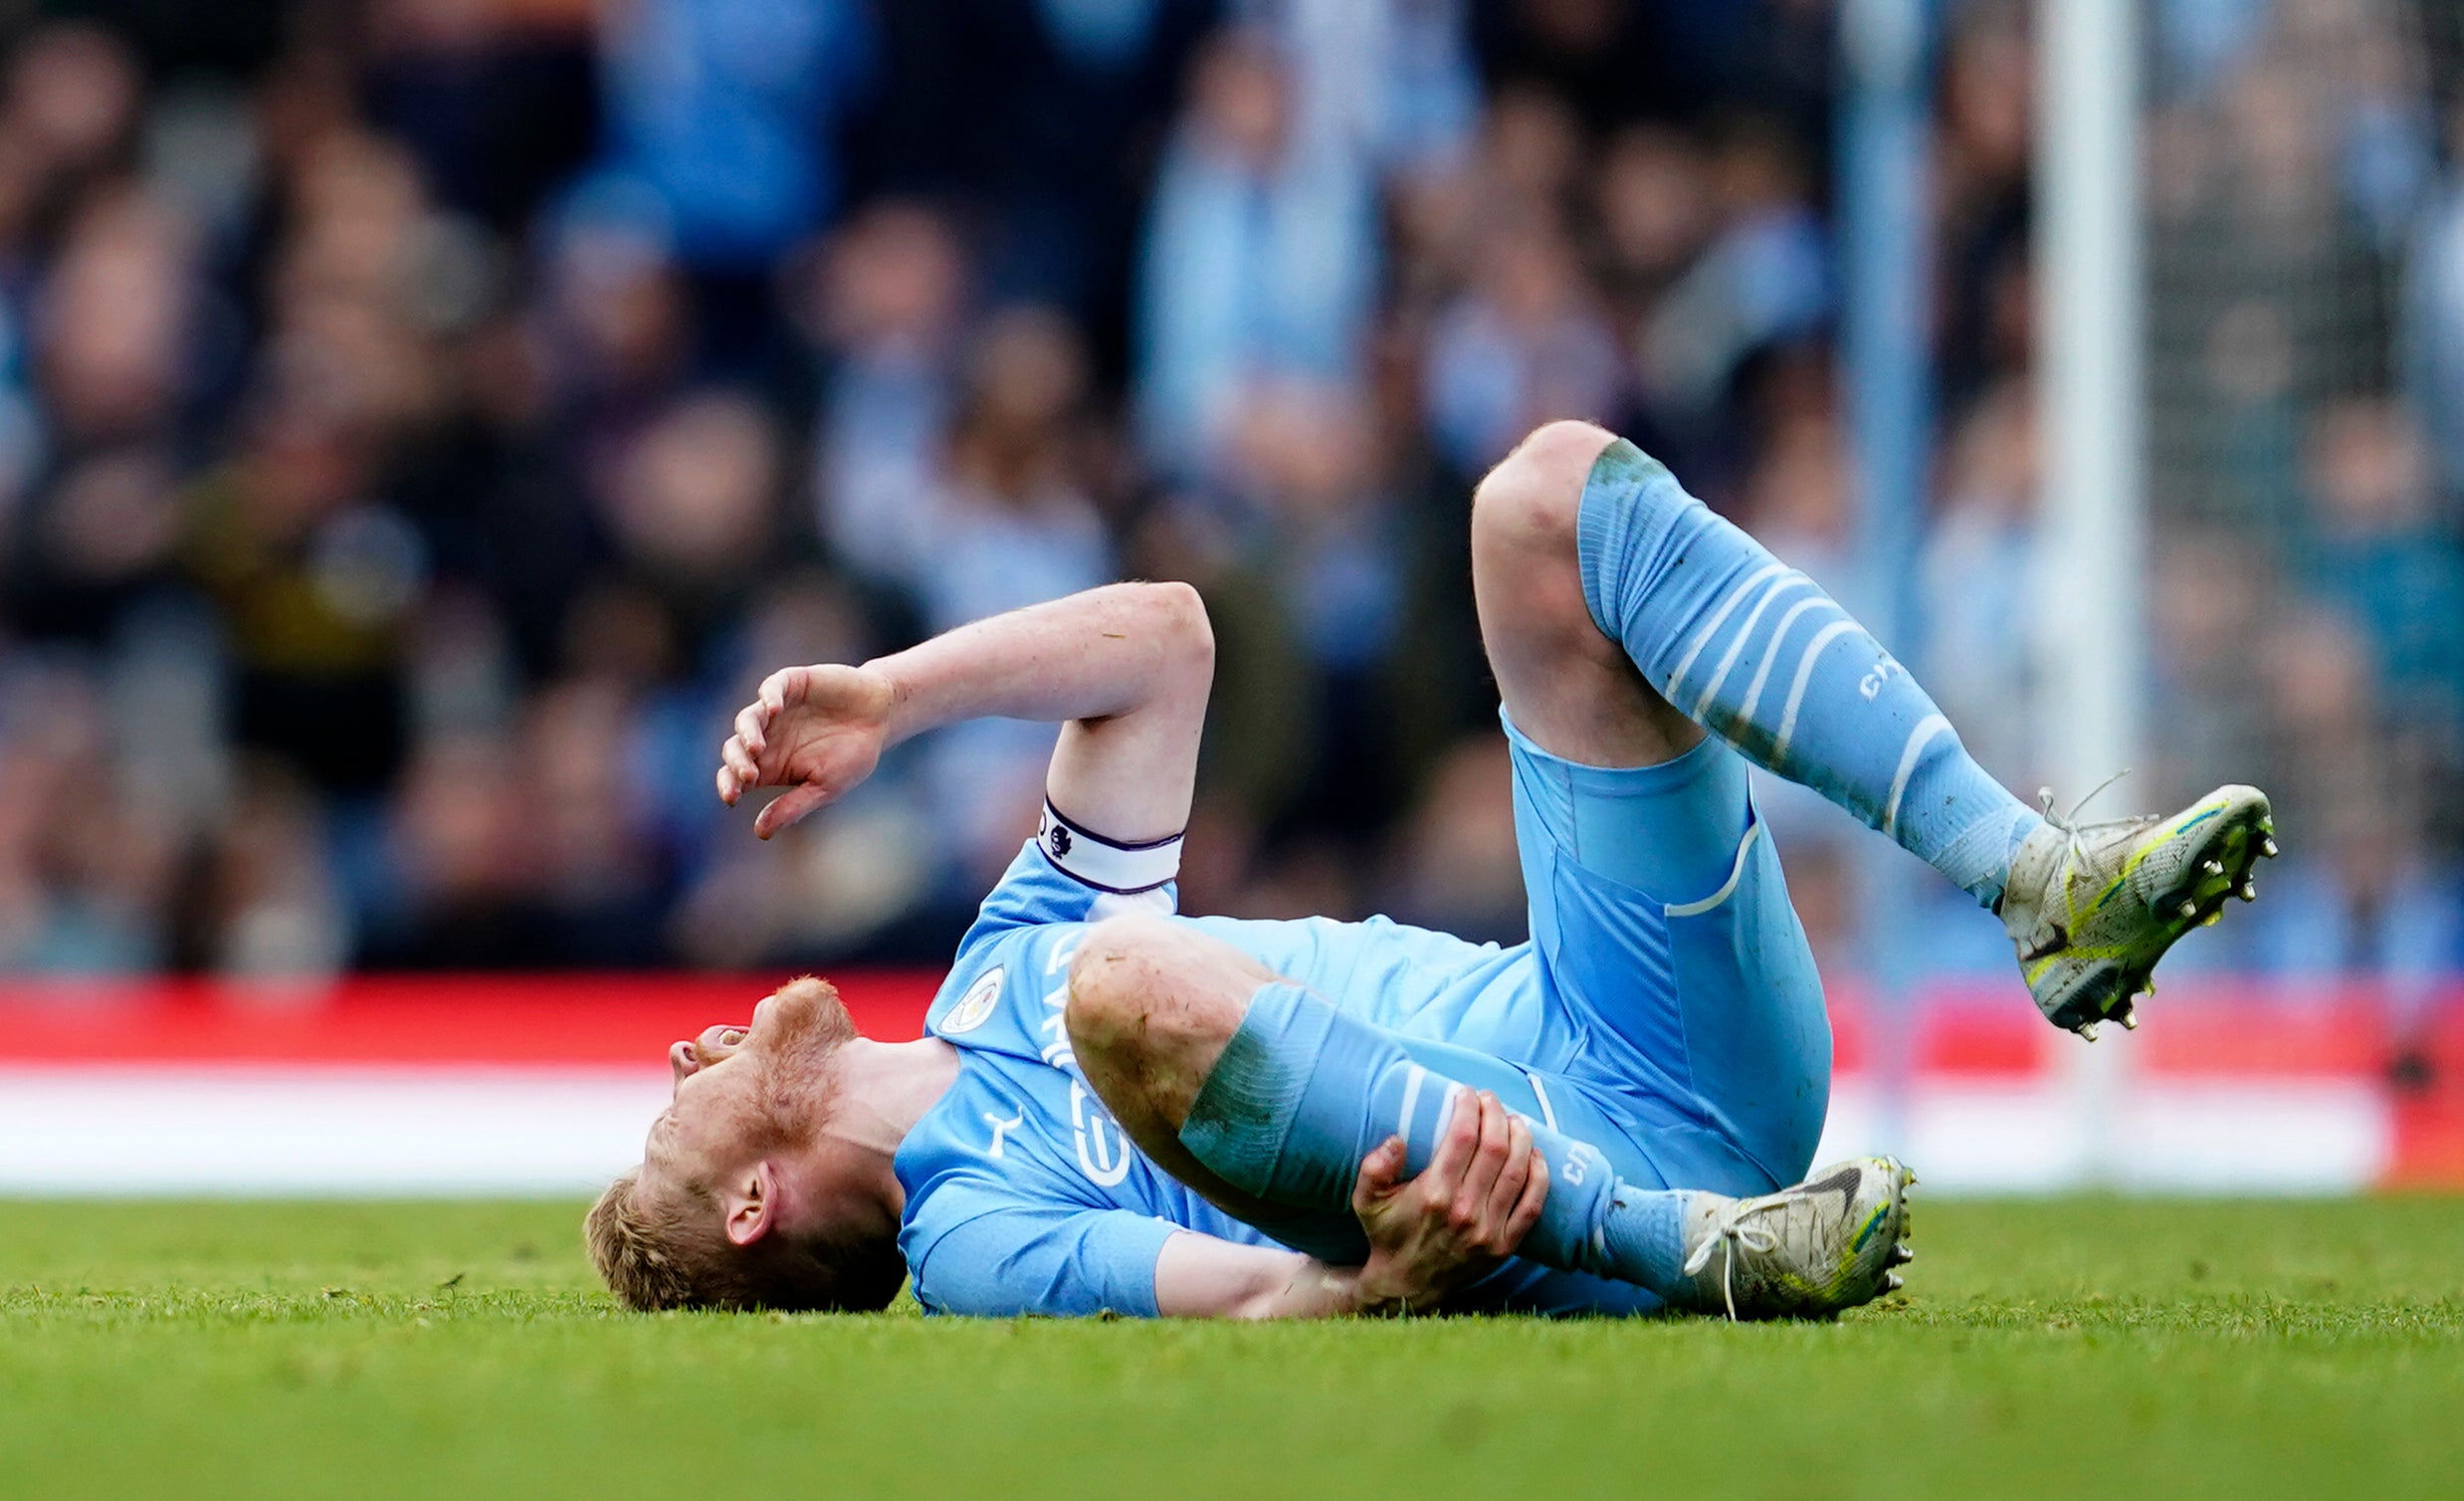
(1107, 864)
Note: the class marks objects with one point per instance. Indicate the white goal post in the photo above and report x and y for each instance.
(2091, 316)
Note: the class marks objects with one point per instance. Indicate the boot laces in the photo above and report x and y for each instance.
(2068, 823)
(1732, 1230)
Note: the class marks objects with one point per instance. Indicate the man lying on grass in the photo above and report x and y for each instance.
(1117, 1108)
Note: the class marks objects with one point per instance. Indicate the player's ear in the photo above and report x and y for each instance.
(750, 1204)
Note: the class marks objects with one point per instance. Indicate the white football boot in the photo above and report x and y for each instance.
(1807, 1252)
(2092, 907)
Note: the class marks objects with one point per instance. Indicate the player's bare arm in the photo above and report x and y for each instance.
(1125, 670)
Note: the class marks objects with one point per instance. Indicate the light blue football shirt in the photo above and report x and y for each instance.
(1023, 1194)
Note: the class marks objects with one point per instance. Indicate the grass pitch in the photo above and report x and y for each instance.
(2081, 1347)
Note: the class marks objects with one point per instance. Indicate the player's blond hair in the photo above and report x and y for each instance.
(649, 1255)
(658, 1251)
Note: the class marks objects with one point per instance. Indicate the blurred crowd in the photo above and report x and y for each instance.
(422, 421)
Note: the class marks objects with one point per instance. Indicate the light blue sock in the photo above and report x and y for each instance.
(1751, 650)
(1303, 1093)
(1645, 1233)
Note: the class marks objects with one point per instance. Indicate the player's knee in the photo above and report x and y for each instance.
(1530, 503)
(1151, 1005)
(1119, 983)
(1527, 563)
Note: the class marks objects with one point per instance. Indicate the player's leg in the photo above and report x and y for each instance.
(1265, 1099)
(1150, 1006)
(1658, 913)
(1267, 1102)
(1733, 639)
(1578, 534)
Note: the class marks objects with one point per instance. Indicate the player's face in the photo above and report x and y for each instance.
(731, 1080)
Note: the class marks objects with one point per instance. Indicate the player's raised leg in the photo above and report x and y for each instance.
(1267, 1099)
(1733, 639)
(1661, 922)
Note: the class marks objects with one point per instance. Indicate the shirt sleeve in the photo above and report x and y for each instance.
(1042, 887)
(1056, 1260)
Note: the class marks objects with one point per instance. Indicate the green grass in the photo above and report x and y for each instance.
(2082, 1347)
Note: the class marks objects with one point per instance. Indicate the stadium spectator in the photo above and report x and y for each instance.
(1260, 257)
(886, 310)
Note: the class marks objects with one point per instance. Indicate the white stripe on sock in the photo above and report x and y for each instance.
(1804, 675)
(1411, 1102)
(1771, 658)
(1744, 633)
(1918, 738)
(1727, 608)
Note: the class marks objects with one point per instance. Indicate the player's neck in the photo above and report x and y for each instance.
(879, 1091)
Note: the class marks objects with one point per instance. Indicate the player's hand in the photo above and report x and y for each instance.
(816, 731)
(1466, 1211)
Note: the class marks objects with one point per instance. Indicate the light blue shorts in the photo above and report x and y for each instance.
(1662, 935)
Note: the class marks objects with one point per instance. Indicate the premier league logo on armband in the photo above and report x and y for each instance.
(1093, 860)
(975, 1007)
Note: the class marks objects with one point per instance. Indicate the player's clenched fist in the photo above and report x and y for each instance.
(1464, 1214)
(816, 731)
